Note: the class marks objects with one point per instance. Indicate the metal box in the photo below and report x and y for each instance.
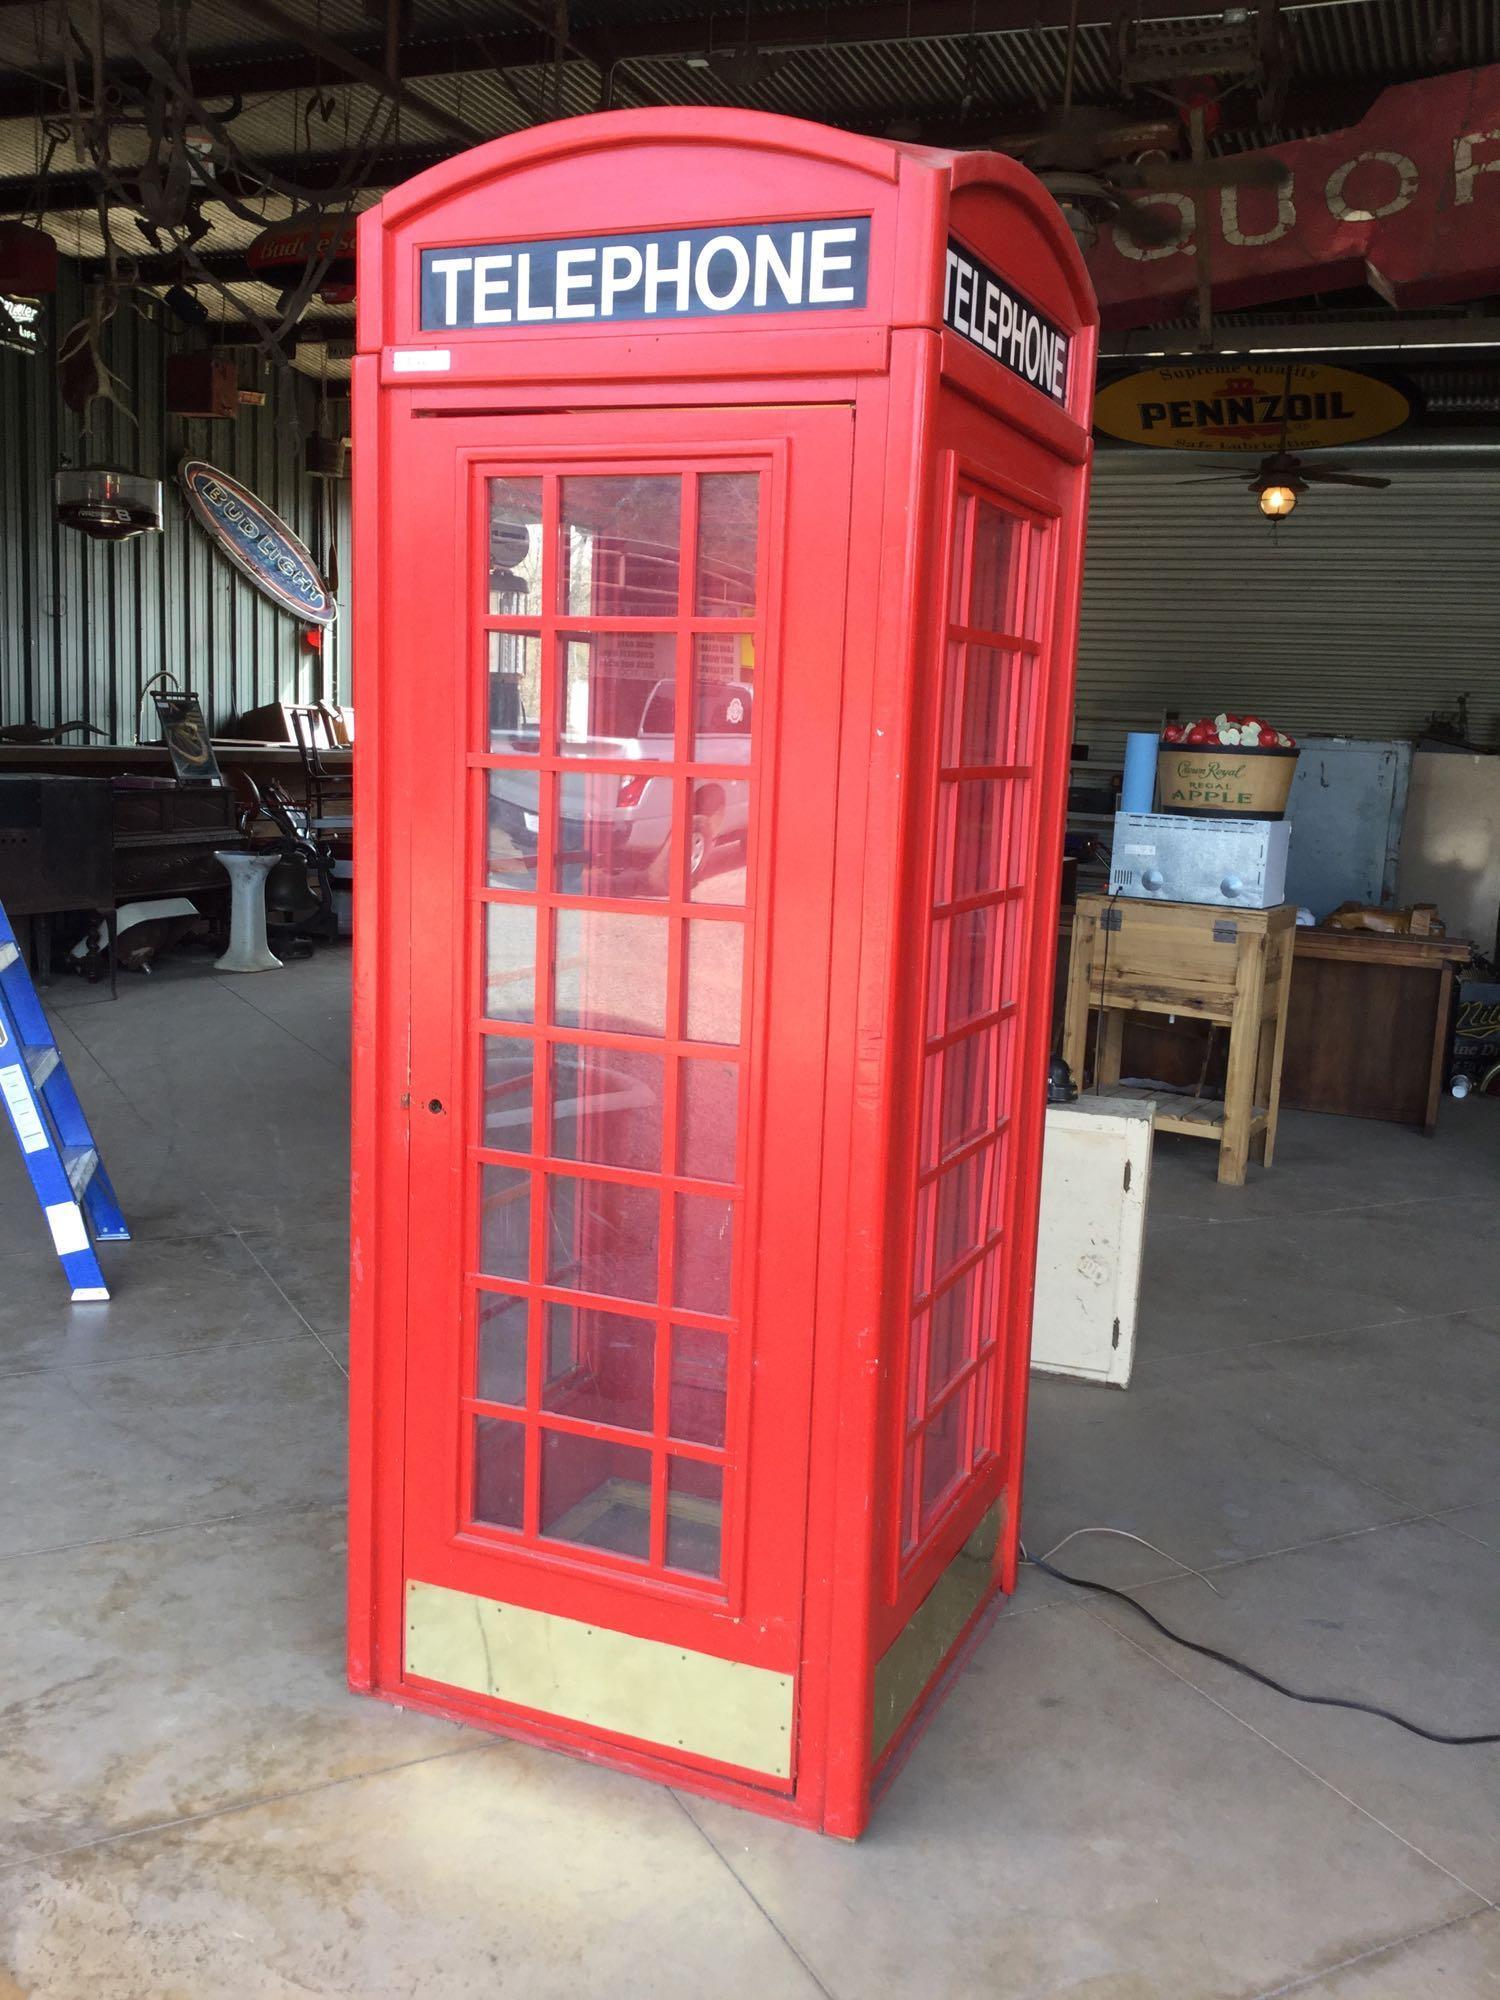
(1168, 858)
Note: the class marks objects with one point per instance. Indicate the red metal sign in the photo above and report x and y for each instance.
(1407, 201)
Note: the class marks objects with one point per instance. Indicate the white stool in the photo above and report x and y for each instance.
(248, 950)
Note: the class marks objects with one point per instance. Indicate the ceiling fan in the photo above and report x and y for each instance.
(1281, 478)
(1102, 166)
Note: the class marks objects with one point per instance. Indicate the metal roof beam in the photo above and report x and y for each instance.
(71, 192)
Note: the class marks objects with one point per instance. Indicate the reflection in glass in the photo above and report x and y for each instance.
(509, 962)
(499, 1472)
(705, 1254)
(602, 1238)
(515, 692)
(717, 838)
(700, 1359)
(501, 1370)
(504, 1222)
(511, 829)
(952, 1320)
(611, 972)
(620, 543)
(506, 1072)
(973, 940)
(713, 977)
(596, 1494)
(707, 1119)
(617, 695)
(606, 1107)
(978, 836)
(695, 1516)
(988, 680)
(608, 1377)
(728, 529)
(723, 697)
(515, 579)
(614, 835)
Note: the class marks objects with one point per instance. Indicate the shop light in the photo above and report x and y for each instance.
(1277, 501)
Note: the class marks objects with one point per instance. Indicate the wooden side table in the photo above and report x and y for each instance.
(1197, 960)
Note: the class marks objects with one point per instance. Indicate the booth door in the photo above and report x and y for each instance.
(614, 1154)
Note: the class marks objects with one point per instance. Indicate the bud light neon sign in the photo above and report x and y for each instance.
(257, 541)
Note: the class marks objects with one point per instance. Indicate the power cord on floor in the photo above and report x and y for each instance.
(1228, 1659)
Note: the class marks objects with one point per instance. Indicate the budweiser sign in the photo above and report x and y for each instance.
(1407, 201)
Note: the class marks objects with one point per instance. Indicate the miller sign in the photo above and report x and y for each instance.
(1242, 407)
(1407, 201)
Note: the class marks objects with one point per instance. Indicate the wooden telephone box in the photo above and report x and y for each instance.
(720, 489)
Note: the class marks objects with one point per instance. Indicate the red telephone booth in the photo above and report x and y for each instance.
(720, 496)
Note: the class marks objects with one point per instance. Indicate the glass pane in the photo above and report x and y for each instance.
(978, 836)
(952, 1340)
(994, 598)
(942, 1460)
(611, 972)
(1018, 845)
(916, 1361)
(507, 1064)
(509, 962)
(1021, 747)
(515, 693)
(620, 537)
(596, 1494)
(960, 1211)
(958, 566)
(723, 696)
(606, 1107)
(608, 1378)
(618, 695)
(700, 1362)
(705, 1254)
(515, 581)
(728, 530)
(989, 685)
(695, 1516)
(602, 1237)
(504, 1222)
(614, 835)
(953, 679)
(708, 1100)
(713, 977)
(499, 1472)
(511, 815)
(983, 1393)
(501, 1370)
(962, 1079)
(717, 835)
(973, 940)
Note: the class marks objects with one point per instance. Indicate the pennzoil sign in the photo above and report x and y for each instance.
(1197, 408)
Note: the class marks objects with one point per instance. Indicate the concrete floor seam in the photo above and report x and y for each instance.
(750, 1894)
(1304, 1980)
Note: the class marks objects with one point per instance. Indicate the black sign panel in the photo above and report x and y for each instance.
(769, 267)
(20, 324)
(979, 304)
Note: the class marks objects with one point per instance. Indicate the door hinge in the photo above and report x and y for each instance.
(1127, 1177)
(1114, 1338)
(406, 1100)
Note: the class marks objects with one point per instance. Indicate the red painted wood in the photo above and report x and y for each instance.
(870, 430)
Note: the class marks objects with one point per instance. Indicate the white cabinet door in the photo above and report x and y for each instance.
(1096, 1167)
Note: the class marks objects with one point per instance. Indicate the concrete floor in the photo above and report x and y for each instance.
(192, 1808)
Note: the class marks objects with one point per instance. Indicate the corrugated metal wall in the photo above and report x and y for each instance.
(1359, 616)
(83, 624)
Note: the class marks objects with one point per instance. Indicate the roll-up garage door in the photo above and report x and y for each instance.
(1358, 617)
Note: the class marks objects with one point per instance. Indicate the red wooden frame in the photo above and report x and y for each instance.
(872, 430)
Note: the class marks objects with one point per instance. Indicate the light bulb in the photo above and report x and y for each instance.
(1277, 501)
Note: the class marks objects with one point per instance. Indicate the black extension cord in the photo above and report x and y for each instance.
(1254, 1673)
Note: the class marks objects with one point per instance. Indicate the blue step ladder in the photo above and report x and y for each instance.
(56, 1144)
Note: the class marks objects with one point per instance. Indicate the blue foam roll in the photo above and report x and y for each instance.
(1138, 787)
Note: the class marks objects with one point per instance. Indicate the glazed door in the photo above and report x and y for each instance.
(621, 789)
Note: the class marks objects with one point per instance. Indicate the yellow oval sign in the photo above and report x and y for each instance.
(1229, 408)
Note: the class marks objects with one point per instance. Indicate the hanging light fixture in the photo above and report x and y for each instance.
(1277, 500)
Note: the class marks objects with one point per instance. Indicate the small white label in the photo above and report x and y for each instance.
(65, 1220)
(421, 360)
(1134, 847)
(23, 1112)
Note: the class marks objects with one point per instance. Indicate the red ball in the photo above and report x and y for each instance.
(1268, 738)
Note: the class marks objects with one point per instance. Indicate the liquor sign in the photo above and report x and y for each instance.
(1407, 201)
(768, 267)
(257, 541)
(979, 304)
(20, 324)
(1229, 407)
